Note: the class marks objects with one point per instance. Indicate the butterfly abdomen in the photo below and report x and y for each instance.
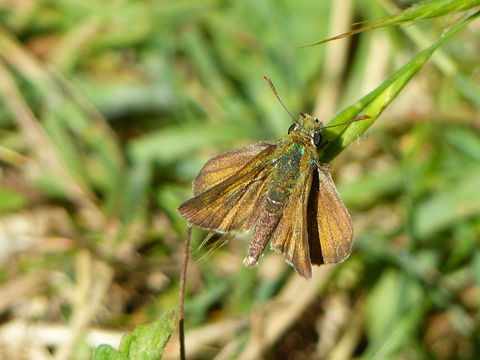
(269, 215)
(285, 176)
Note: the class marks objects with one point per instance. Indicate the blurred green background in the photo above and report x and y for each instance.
(109, 109)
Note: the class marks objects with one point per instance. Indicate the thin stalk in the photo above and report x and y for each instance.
(181, 303)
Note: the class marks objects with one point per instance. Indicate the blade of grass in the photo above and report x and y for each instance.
(75, 129)
(42, 147)
(376, 101)
(446, 64)
(425, 10)
(460, 199)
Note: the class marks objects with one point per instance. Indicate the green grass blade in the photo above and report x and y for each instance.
(460, 199)
(80, 136)
(444, 62)
(376, 101)
(425, 10)
(392, 313)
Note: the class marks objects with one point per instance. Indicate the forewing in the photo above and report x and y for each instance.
(225, 165)
(330, 230)
(291, 236)
(229, 205)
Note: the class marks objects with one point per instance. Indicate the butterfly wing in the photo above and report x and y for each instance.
(291, 235)
(229, 205)
(329, 225)
(223, 166)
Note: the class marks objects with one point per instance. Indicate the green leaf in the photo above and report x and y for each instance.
(147, 342)
(106, 352)
(144, 343)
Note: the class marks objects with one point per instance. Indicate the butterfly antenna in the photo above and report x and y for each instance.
(270, 83)
(363, 117)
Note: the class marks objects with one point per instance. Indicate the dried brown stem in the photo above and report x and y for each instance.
(181, 304)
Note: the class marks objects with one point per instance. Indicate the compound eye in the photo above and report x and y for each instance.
(317, 138)
(291, 128)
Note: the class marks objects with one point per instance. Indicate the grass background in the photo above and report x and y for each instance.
(108, 111)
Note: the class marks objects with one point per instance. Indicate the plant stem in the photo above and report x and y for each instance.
(181, 305)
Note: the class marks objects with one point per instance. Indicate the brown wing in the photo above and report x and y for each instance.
(225, 165)
(330, 230)
(291, 236)
(229, 205)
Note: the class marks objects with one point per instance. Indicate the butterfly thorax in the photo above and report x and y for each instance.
(287, 171)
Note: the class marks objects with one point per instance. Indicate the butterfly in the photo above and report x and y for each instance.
(281, 193)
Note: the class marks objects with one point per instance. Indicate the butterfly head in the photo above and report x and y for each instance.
(309, 126)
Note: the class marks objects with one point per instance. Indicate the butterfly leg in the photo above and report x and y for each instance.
(323, 166)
